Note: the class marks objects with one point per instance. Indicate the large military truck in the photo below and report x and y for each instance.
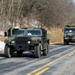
(34, 40)
(69, 34)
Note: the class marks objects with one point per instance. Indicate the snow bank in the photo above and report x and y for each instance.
(2, 33)
(2, 45)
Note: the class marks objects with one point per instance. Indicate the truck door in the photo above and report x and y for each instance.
(44, 39)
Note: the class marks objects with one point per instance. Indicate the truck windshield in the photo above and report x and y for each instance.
(69, 30)
(18, 32)
(34, 32)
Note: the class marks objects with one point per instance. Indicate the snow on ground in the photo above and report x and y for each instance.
(2, 45)
(2, 33)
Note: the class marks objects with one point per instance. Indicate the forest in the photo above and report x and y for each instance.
(49, 13)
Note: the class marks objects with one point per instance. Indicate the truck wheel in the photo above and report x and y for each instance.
(45, 52)
(66, 43)
(19, 53)
(37, 51)
(7, 51)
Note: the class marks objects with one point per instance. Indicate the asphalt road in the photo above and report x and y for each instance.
(60, 61)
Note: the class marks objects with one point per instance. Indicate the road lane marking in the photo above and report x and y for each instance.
(34, 71)
(42, 71)
(57, 48)
(71, 54)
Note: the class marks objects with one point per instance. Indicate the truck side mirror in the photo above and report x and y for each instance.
(5, 34)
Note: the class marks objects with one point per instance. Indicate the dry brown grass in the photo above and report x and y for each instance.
(56, 35)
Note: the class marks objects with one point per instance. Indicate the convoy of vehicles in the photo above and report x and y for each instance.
(35, 40)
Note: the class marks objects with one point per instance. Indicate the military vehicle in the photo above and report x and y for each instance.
(35, 40)
(69, 34)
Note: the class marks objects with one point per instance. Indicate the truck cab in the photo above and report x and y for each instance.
(33, 40)
(69, 34)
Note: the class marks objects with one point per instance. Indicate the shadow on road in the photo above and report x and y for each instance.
(2, 55)
(27, 55)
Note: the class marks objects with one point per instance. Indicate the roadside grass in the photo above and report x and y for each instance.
(56, 35)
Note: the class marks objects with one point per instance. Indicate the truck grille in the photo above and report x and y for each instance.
(21, 40)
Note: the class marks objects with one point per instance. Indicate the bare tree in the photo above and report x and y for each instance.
(48, 12)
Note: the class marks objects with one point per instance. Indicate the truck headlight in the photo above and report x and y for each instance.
(28, 42)
(13, 42)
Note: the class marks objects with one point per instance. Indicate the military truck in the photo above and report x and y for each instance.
(35, 40)
(69, 34)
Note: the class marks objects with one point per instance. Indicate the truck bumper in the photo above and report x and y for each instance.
(69, 40)
(24, 47)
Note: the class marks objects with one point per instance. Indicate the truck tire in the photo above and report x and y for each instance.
(37, 51)
(45, 52)
(66, 43)
(19, 53)
(7, 51)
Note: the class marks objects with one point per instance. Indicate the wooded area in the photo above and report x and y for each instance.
(48, 12)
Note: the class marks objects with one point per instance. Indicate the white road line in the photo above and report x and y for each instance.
(57, 48)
